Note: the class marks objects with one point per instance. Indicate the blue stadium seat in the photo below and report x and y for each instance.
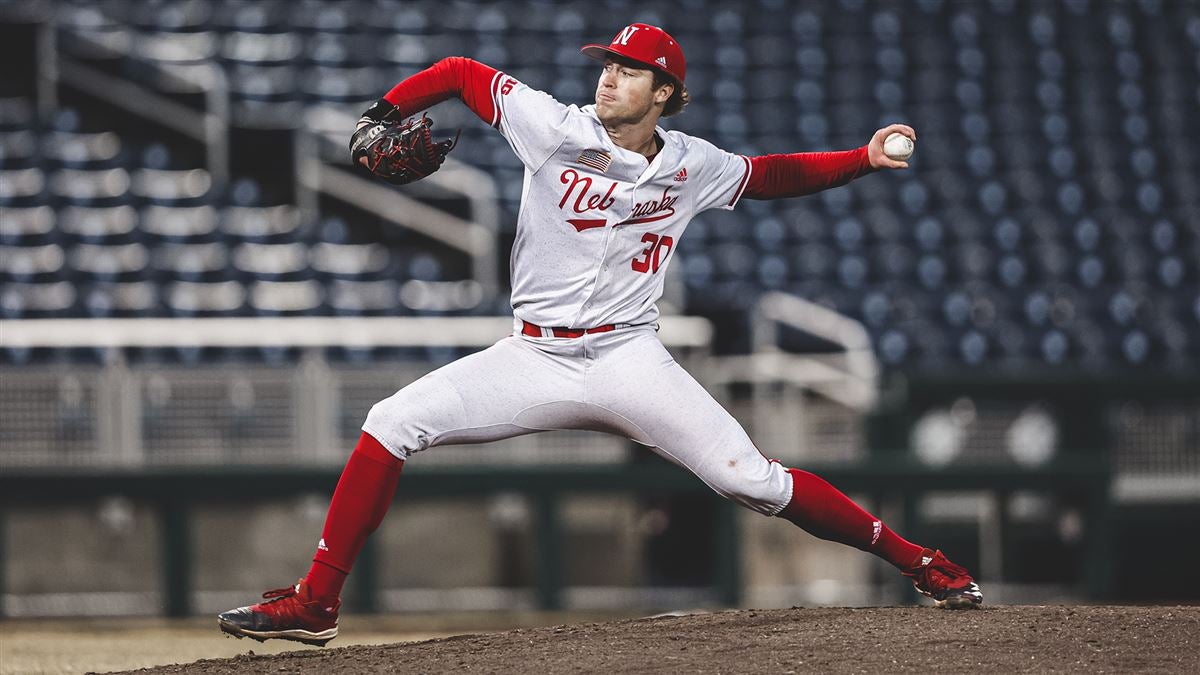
(363, 298)
(191, 261)
(258, 16)
(32, 263)
(82, 187)
(311, 16)
(277, 262)
(18, 149)
(281, 298)
(180, 223)
(99, 225)
(28, 226)
(189, 298)
(175, 49)
(260, 49)
(262, 224)
(37, 300)
(351, 261)
(341, 84)
(171, 187)
(180, 16)
(109, 262)
(121, 300)
(262, 91)
(22, 188)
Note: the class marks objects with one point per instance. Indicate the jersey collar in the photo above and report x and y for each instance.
(648, 172)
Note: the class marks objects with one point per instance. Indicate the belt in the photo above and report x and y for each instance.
(534, 330)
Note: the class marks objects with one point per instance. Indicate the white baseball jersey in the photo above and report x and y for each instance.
(598, 226)
(596, 231)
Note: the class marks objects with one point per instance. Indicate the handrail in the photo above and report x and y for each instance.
(850, 377)
(210, 127)
(321, 166)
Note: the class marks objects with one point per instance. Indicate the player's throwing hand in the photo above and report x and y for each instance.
(875, 153)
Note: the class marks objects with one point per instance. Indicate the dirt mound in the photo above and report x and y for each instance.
(1008, 639)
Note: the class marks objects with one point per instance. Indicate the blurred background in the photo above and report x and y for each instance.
(997, 350)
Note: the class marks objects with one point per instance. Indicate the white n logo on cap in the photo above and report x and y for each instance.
(624, 35)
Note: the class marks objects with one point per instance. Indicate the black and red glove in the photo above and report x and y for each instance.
(398, 152)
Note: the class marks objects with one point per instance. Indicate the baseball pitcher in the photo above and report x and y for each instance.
(607, 195)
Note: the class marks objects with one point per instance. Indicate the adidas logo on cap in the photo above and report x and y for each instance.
(662, 61)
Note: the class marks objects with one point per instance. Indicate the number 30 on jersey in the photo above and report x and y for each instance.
(657, 249)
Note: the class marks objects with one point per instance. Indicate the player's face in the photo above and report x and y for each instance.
(624, 94)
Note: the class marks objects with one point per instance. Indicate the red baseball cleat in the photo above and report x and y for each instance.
(288, 614)
(948, 584)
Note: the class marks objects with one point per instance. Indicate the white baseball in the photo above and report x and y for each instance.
(897, 146)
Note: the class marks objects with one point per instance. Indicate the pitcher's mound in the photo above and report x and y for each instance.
(920, 639)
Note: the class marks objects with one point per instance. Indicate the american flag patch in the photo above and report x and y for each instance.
(597, 159)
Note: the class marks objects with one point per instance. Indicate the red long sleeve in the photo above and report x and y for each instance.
(775, 176)
(469, 80)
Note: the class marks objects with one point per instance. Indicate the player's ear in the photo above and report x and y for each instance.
(664, 92)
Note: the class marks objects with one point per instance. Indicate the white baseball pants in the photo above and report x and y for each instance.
(622, 382)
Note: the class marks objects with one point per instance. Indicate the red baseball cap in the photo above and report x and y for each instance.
(645, 44)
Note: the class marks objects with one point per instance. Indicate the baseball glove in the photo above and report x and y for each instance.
(399, 152)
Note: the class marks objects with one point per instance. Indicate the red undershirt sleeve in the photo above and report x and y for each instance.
(803, 173)
(469, 80)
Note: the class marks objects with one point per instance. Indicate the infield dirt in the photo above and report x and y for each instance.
(1095, 639)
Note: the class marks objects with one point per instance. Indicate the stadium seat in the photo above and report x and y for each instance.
(189, 298)
(31, 263)
(183, 16)
(190, 262)
(27, 226)
(263, 224)
(350, 261)
(341, 84)
(18, 149)
(34, 300)
(288, 261)
(309, 16)
(355, 298)
(99, 225)
(112, 262)
(264, 95)
(258, 48)
(271, 298)
(22, 187)
(171, 187)
(82, 150)
(259, 16)
(121, 300)
(175, 48)
(179, 223)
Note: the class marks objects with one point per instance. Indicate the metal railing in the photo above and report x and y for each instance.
(322, 167)
(209, 126)
(161, 414)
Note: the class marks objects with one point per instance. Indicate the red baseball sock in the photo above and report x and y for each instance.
(361, 499)
(824, 511)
